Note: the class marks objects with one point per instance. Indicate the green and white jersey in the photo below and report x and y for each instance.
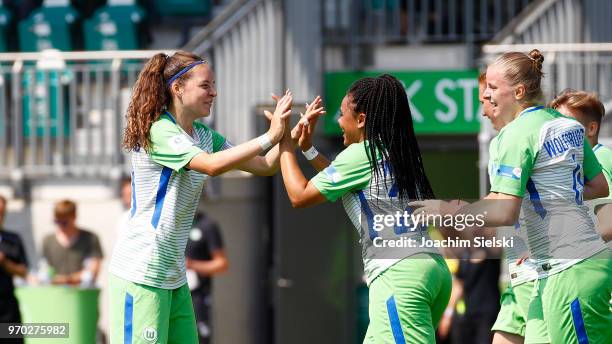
(349, 177)
(165, 195)
(604, 156)
(543, 157)
(518, 273)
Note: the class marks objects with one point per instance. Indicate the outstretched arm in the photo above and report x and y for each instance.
(236, 157)
(301, 192)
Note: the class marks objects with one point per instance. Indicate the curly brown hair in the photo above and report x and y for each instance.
(151, 95)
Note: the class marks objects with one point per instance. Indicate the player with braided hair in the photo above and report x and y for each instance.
(375, 175)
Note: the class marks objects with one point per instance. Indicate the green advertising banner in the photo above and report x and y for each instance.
(442, 102)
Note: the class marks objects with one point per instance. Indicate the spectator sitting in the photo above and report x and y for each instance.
(73, 253)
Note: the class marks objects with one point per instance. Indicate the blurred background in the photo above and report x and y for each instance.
(295, 276)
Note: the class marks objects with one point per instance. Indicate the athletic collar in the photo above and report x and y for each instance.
(531, 109)
(195, 135)
(170, 115)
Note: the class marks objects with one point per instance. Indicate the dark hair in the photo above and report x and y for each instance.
(586, 103)
(151, 95)
(526, 69)
(389, 130)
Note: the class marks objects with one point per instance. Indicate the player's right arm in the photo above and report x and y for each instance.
(595, 185)
(604, 221)
(220, 162)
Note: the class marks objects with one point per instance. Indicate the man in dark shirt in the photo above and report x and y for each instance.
(478, 276)
(13, 262)
(74, 254)
(205, 257)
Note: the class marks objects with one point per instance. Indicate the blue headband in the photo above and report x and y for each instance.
(183, 71)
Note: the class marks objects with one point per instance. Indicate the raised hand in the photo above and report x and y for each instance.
(301, 134)
(278, 120)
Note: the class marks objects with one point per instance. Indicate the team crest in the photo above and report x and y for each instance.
(149, 334)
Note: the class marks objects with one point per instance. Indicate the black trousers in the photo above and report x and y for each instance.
(473, 328)
(9, 313)
(201, 307)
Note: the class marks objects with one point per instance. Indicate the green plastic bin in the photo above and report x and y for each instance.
(61, 304)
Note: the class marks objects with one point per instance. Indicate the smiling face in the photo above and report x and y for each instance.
(351, 123)
(198, 91)
(502, 97)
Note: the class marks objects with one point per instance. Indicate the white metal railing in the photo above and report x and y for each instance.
(62, 113)
(416, 21)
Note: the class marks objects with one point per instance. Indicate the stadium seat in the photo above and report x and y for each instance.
(191, 8)
(49, 27)
(115, 26)
(5, 22)
(45, 100)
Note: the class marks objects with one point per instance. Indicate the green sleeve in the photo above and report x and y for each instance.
(350, 171)
(591, 166)
(515, 159)
(219, 142)
(604, 156)
(171, 147)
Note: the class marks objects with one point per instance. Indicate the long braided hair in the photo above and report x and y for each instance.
(389, 130)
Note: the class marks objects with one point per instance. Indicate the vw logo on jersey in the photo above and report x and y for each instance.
(195, 234)
(149, 334)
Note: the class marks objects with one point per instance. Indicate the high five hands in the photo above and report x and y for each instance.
(301, 134)
(280, 119)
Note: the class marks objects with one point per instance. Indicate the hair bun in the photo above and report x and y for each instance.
(537, 57)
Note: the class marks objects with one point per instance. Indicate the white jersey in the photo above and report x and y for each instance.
(165, 195)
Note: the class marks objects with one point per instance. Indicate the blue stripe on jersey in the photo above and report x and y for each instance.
(534, 196)
(164, 178)
(597, 146)
(365, 207)
(128, 318)
(579, 322)
(396, 325)
(133, 206)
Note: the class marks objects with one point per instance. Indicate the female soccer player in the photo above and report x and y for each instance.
(543, 169)
(589, 111)
(172, 156)
(375, 175)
